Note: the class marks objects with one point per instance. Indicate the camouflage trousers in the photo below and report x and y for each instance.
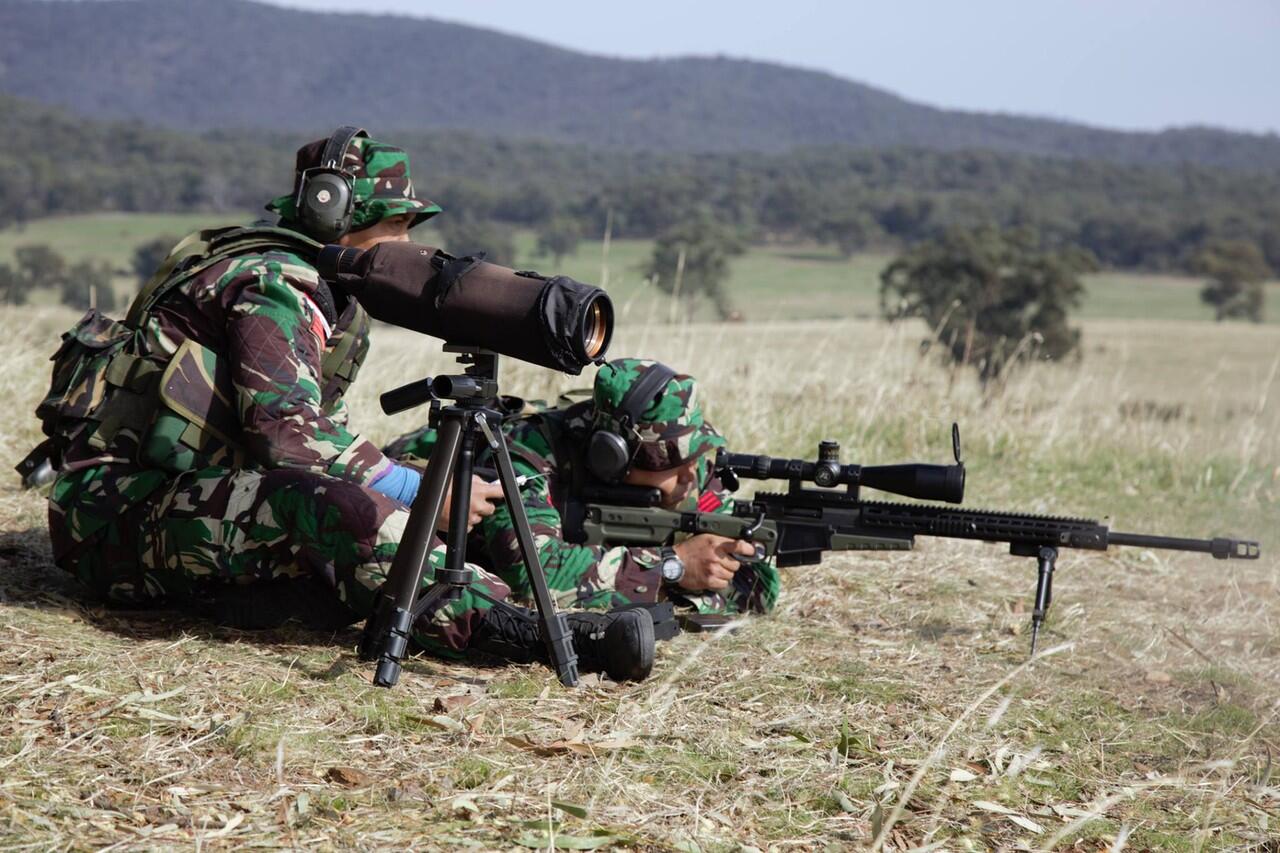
(218, 526)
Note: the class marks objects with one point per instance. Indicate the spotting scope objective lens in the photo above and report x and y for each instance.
(597, 328)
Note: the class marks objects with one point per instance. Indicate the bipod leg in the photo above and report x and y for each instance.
(555, 629)
(386, 633)
(1045, 560)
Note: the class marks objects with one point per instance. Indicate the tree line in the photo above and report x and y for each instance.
(1127, 216)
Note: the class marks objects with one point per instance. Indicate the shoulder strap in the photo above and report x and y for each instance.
(202, 249)
(570, 466)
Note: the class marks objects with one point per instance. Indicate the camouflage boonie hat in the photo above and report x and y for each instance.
(381, 184)
(671, 430)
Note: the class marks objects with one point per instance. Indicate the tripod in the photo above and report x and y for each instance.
(461, 426)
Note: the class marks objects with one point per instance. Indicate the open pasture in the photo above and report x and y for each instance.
(889, 699)
(767, 283)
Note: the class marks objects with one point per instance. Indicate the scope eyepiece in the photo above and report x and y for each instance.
(335, 260)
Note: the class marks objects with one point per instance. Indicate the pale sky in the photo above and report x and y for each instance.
(1132, 64)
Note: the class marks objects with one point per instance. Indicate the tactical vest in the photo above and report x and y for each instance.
(172, 412)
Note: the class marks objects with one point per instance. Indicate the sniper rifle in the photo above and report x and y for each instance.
(798, 526)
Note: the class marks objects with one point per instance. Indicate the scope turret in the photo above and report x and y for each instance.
(913, 480)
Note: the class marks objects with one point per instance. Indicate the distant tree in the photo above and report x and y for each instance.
(558, 238)
(148, 256)
(13, 290)
(789, 205)
(465, 235)
(850, 230)
(992, 297)
(40, 265)
(909, 219)
(691, 260)
(88, 283)
(1236, 270)
(529, 204)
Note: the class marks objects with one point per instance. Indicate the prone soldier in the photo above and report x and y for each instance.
(643, 427)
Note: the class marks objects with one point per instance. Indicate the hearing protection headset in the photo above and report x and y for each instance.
(609, 453)
(326, 193)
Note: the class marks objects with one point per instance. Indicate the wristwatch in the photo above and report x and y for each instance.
(671, 564)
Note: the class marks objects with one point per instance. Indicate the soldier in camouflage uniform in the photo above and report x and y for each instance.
(228, 508)
(674, 448)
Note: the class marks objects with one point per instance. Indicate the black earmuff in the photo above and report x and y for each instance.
(326, 193)
(609, 454)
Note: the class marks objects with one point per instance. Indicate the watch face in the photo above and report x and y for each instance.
(672, 569)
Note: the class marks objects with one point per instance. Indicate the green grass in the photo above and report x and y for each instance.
(768, 282)
(108, 237)
(1155, 297)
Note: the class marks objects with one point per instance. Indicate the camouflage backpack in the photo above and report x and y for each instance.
(105, 390)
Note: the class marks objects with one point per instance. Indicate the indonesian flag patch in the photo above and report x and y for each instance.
(319, 325)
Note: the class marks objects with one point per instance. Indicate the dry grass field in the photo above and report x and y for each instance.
(887, 704)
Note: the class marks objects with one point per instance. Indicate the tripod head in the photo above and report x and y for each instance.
(476, 385)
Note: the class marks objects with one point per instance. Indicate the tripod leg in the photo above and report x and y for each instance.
(555, 629)
(386, 634)
(1045, 560)
(455, 569)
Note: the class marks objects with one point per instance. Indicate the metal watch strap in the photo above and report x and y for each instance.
(666, 554)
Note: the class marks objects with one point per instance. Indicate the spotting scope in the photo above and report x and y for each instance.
(554, 322)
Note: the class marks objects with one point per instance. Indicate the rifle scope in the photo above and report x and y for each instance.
(553, 322)
(912, 480)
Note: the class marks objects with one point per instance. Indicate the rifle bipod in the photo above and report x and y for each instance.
(1046, 558)
(461, 426)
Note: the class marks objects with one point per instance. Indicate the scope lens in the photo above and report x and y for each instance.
(597, 327)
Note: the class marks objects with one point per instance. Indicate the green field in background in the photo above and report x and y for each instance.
(768, 282)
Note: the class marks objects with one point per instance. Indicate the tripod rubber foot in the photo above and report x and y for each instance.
(560, 649)
(394, 645)
(387, 673)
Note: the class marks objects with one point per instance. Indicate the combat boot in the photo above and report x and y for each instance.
(619, 644)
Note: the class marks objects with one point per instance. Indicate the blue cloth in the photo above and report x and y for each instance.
(400, 483)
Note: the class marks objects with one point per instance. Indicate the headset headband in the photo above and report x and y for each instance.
(641, 395)
(335, 150)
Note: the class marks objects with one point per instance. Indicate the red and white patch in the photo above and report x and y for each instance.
(709, 502)
(319, 325)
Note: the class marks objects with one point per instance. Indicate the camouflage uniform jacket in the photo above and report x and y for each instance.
(597, 576)
(270, 321)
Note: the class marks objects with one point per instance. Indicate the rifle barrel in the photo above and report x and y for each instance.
(1221, 548)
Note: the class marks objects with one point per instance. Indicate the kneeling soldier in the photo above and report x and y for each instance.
(202, 445)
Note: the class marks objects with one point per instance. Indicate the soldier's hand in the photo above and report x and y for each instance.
(709, 562)
(485, 497)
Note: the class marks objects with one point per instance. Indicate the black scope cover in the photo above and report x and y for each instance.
(553, 322)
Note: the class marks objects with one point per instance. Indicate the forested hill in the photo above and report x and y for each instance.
(1128, 215)
(204, 64)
